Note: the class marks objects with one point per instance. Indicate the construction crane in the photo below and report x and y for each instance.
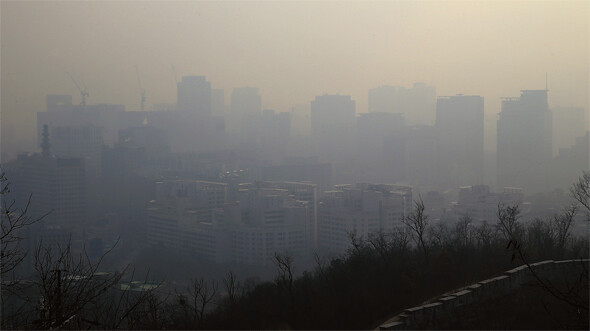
(83, 93)
(141, 89)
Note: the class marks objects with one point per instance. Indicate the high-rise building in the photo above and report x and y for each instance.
(274, 135)
(57, 186)
(333, 121)
(374, 133)
(525, 141)
(109, 117)
(420, 155)
(194, 95)
(79, 141)
(460, 140)
(246, 108)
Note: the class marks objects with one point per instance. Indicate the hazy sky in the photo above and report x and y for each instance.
(291, 51)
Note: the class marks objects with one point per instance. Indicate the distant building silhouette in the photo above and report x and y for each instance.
(333, 123)
(110, 117)
(194, 95)
(378, 138)
(420, 155)
(58, 186)
(79, 141)
(525, 141)
(460, 140)
(244, 119)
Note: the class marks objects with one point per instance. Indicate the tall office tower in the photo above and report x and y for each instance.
(420, 155)
(194, 95)
(460, 140)
(300, 120)
(383, 99)
(525, 141)
(57, 186)
(246, 107)
(333, 120)
(274, 135)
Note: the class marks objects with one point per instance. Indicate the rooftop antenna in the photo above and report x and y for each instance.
(83, 93)
(141, 89)
(546, 85)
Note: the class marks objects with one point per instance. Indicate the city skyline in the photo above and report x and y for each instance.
(493, 49)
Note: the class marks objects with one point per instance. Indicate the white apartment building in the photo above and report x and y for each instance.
(482, 205)
(195, 218)
(362, 210)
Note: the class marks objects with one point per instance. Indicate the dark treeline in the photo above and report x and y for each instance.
(387, 273)
(378, 276)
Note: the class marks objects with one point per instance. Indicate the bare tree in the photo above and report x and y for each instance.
(379, 242)
(438, 235)
(284, 277)
(68, 284)
(400, 239)
(485, 234)
(561, 224)
(580, 190)
(232, 287)
(417, 221)
(463, 231)
(115, 310)
(12, 221)
(508, 217)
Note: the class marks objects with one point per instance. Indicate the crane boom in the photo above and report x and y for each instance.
(83, 93)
